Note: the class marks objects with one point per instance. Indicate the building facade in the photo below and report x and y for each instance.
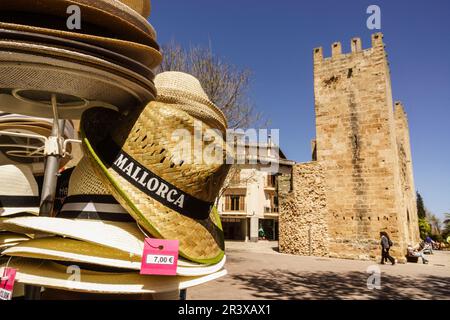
(248, 204)
(361, 179)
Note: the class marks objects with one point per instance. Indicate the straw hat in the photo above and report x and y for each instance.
(9, 239)
(109, 235)
(143, 7)
(167, 194)
(17, 120)
(99, 17)
(185, 92)
(53, 275)
(82, 47)
(64, 249)
(147, 55)
(80, 86)
(18, 191)
(69, 54)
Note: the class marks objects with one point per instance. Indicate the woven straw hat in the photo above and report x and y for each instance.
(109, 235)
(82, 86)
(18, 191)
(147, 55)
(169, 195)
(69, 54)
(186, 93)
(99, 17)
(69, 250)
(53, 275)
(82, 47)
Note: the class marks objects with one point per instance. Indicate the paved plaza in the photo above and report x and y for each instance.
(258, 271)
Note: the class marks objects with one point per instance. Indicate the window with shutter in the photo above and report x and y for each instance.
(242, 203)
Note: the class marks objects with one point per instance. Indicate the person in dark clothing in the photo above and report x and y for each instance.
(386, 244)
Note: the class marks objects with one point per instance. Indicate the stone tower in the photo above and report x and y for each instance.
(362, 145)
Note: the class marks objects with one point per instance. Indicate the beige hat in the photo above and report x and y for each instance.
(69, 54)
(19, 191)
(109, 235)
(143, 7)
(99, 17)
(82, 47)
(79, 86)
(185, 92)
(169, 195)
(64, 249)
(145, 54)
(57, 276)
(9, 239)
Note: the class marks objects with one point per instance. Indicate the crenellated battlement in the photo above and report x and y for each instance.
(355, 45)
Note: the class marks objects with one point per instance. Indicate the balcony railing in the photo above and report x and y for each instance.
(271, 209)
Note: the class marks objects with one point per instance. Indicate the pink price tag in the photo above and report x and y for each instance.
(160, 257)
(8, 276)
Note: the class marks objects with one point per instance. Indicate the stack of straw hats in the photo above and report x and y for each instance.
(107, 62)
(19, 196)
(132, 184)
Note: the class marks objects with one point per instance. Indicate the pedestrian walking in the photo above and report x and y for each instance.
(386, 244)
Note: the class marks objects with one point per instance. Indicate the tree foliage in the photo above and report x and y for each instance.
(446, 222)
(420, 206)
(424, 228)
(226, 85)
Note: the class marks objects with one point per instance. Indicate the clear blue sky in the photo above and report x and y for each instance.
(275, 40)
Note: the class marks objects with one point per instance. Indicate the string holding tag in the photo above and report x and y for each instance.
(5, 277)
(160, 247)
(7, 282)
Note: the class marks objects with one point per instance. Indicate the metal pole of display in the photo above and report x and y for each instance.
(50, 181)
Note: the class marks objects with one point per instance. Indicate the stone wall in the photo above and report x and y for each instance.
(303, 213)
(409, 216)
(356, 145)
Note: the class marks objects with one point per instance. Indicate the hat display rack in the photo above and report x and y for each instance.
(51, 72)
(103, 75)
(54, 148)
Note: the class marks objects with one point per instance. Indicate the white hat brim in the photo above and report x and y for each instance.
(51, 275)
(9, 211)
(10, 237)
(59, 249)
(122, 236)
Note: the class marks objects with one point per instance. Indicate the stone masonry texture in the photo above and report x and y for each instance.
(363, 150)
(303, 224)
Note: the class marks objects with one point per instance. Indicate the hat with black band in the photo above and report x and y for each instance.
(169, 194)
(19, 192)
(91, 228)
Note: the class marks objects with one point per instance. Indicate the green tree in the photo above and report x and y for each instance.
(424, 228)
(225, 84)
(420, 207)
(435, 224)
(446, 222)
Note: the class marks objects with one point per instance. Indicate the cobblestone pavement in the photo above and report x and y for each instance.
(258, 271)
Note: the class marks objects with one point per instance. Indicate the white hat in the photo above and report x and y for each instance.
(56, 276)
(64, 249)
(109, 235)
(19, 191)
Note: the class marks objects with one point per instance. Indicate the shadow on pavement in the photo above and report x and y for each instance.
(283, 284)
